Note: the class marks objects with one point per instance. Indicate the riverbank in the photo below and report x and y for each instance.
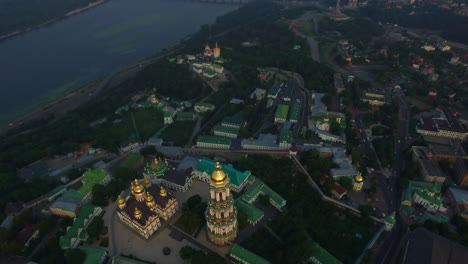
(73, 12)
(56, 109)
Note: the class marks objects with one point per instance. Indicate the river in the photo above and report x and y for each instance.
(45, 64)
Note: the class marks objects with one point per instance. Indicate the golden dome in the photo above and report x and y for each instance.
(162, 191)
(137, 213)
(138, 188)
(149, 197)
(359, 178)
(218, 176)
(120, 200)
(147, 181)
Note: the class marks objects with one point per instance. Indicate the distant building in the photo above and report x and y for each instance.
(226, 131)
(428, 48)
(235, 121)
(323, 135)
(213, 142)
(375, 97)
(186, 116)
(203, 107)
(89, 180)
(345, 168)
(429, 169)
(322, 256)
(281, 114)
(179, 180)
(423, 246)
(76, 233)
(237, 178)
(260, 188)
(447, 125)
(263, 142)
(94, 255)
(285, 139)
(244, 256)
(65, 207)
(258, 94)
(167, 118)
(295, 113)
(459, 202)
(427, 195)
(358, 182)
(338, 190)
(129, 144)
(461, 172)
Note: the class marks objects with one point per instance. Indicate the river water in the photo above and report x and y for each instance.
(45, 64)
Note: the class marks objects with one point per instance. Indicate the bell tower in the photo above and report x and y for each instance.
(221, 215)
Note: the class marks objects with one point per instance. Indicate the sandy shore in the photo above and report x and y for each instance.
(73, 12)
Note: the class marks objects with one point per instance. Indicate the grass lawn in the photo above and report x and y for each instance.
(326, 51)
(178, 133)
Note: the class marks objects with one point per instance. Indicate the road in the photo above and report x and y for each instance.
(313, 44)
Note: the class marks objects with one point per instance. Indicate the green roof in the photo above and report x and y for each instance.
(275, 89)
(390, 218)
(91, 178)
(55, 190)
(282, 77)
(263, 188)
(235, 177)
(125, 260)
(214, 140)
(295, 112)
(247, 256)
(253, 213)
(422, 189)
(271, 69)
(167, 114)
(76, 229)
(131, 160)
(93, 255)
(285, 136)
(323, 256)
(73, 195)
(185, 114)
(282, 111)
(227, 130)
(121, 109)
(437, 217)
(235, 120)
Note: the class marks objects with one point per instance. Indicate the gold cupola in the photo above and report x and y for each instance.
(359, 178)
(162, 191)
(137, 213)
(218, 176)
(137, 187)
(147, 182)
(149, 200)
(120, 202)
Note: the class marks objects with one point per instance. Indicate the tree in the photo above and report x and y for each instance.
(346, 182)
(94, 229)
(264, 199)
(74, 256)
(166, 251)
(186, 252)
(123, 174)
(99, 195)
(242, 220)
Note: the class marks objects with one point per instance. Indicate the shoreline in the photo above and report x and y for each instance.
(70, 101)
(71, 13)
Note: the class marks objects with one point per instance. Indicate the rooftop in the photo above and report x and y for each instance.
(253, 213)
(93, 255)
(227, 130)
(282, 111)
(73, 195)
(55, 190)
(76, 229)
(460, 196)
(260, 186)
(285, 136)
(247, 256)
(323, 256)
(65, 204)
(236, 177)
(295, 112)
(91, 178)
(264, 140)
(214, 140)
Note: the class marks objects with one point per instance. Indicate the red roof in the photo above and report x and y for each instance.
(26, 233)
(338, 188)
